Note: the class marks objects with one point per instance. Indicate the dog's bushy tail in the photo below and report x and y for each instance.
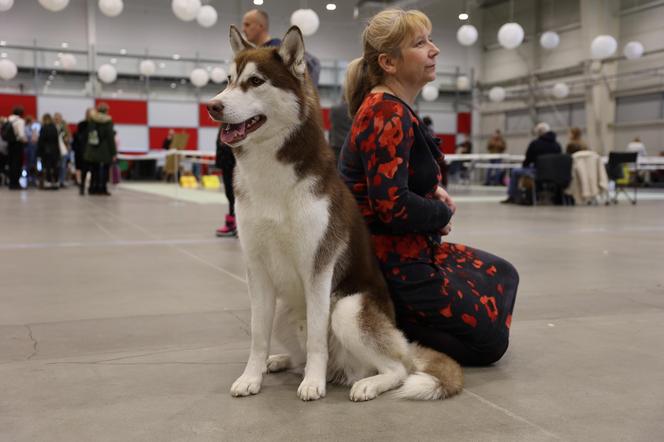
(436, 376)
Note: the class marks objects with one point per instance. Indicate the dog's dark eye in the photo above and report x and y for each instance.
(255, 81)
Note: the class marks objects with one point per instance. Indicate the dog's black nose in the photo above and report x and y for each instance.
(215, 109)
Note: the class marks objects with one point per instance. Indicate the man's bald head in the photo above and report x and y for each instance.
(256, 26)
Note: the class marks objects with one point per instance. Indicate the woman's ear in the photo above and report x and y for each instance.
(387, 63)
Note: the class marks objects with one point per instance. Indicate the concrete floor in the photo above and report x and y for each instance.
(123, 318)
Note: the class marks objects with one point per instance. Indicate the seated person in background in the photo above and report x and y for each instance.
(456, 168)
(637, 146)
(545, 143)
(496, 145)
(575, 143)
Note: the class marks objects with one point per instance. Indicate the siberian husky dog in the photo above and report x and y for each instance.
(310, 265)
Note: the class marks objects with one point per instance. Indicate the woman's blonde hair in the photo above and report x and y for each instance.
(575, 133)
(384, 34)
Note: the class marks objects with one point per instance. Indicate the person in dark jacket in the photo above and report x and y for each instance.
(545, 143)
(340, 123)
(48, 149)
(100, 149)
(78, 145)
(225, 161)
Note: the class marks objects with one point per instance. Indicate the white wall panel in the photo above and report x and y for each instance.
(132, 138)
(72, 108)
(207, 139)
(172, 114)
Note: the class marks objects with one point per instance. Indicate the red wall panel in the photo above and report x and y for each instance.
(326, 118)
(159, 134)
(126, 111)
(463, 122)
(447, 142)
(204, 119)
(8, 101)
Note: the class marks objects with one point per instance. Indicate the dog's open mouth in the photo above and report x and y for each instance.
(233, 133)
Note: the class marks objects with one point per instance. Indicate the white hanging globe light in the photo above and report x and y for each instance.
(497, 94)
(147, 68)
(603, 46)
(633, 50)
(186, 10)
(6, 5)
(305, 19)
(207, 16)
(218, 75)
(67, 61)
(467, 35)
(111, 8)
(510, 35)
(54, 5)
(8, 69)
(560, 90)
(462, 83)
(199, 77)
(550, 40)
(107, 73)
(430, 92)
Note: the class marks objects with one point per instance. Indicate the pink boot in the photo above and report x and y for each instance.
(229, 229)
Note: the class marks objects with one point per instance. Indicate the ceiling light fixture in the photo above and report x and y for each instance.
(258, 2)
(123, 51)
(114, 60)
(176, 56)
(65, 44)
(330, 6)
(463, 16)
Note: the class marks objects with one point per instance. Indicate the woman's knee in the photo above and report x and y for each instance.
(490, 354)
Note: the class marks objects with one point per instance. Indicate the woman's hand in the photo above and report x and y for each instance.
(447, 229)
(442, 195)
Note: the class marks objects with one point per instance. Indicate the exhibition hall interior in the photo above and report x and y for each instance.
(128, 280)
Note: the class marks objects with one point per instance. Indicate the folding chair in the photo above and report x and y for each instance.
(553, 173)
(619, 171)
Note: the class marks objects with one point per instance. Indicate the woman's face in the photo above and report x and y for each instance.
(417, 64)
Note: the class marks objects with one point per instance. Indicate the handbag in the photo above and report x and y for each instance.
(62, 145)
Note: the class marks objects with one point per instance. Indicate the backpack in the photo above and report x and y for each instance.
(7, 132)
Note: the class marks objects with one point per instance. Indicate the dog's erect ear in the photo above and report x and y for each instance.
(292, 51)
(238, 43)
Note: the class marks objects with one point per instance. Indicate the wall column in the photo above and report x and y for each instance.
(600, 17)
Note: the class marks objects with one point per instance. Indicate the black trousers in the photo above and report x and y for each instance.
(15, 159)
(227, 170)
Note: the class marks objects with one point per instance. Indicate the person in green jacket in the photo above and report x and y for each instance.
(100, 150)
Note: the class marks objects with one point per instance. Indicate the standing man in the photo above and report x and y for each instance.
(256, 27)
(15, 147)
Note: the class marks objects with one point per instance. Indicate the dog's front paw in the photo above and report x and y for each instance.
(246, 385)
(310, 390)
(364, 390)
(277, 363)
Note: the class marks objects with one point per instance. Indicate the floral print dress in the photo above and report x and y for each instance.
(451, 297)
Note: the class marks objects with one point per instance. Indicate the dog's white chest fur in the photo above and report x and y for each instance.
(281, 222)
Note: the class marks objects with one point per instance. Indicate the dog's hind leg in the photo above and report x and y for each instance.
(263, 297)
(290, 331)
(367, 333)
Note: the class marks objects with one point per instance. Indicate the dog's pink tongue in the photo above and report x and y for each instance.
(233, 132)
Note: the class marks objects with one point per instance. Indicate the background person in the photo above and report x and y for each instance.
(545, 143)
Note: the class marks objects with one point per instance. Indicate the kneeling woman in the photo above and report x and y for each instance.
(449, 297)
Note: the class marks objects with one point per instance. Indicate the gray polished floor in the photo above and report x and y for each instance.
(124, 319)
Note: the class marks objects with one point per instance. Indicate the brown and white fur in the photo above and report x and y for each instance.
(310, 264)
